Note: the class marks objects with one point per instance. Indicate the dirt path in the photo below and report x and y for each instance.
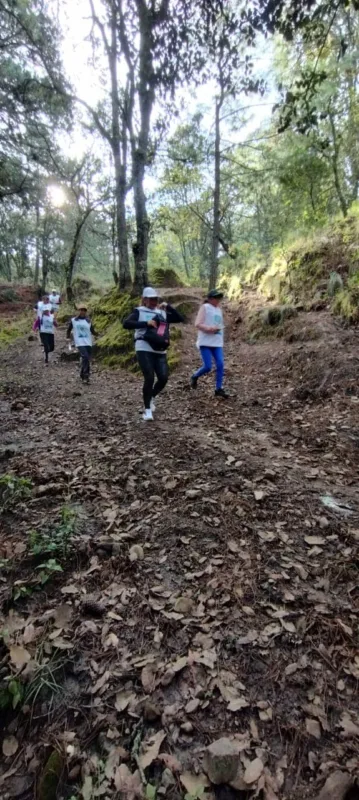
(227, 502)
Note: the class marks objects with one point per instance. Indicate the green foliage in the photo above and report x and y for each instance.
(82, 288)
(12, 329)
(47, 569)
(197, 794)
(11, 694)
(50, 777)
(8, 295)
(335, 284)
(346, 301)
(269, 322)
(165, 277)
(115, 346)
(13, 490)
(56, 541)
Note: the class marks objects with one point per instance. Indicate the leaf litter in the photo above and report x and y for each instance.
(227, 601)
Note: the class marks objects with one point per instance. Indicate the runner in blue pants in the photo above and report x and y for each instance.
(209, 324)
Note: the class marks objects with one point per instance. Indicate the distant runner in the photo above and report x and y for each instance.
(82, 331)
(55, 300)
(43, 305)
(46, 324)
(150, 322)
(209, 323)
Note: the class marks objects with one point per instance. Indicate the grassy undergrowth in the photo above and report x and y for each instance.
(14, 328)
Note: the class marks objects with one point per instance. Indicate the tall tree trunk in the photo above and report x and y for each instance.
(119, 161)
(37, 245)
(335, 166)
(140, 147)
(140, 247)
(213, 275)
(74, 253)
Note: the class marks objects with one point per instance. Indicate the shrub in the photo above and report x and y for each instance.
(13, 490)
(165, 277)
(8, 296)
(82, 287)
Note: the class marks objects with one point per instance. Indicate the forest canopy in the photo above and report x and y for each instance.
(218, 131)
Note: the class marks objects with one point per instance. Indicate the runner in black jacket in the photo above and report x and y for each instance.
(152, 362)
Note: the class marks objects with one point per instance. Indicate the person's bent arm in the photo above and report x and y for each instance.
(173, 315)
(199, 323)
(132, 322)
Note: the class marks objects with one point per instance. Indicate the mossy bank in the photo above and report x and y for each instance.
(322, 269)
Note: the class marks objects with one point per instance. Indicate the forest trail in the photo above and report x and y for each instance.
(241, 618)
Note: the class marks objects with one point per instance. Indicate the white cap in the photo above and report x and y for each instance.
(149, 292)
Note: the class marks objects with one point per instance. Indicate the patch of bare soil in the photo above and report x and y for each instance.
(166, 585)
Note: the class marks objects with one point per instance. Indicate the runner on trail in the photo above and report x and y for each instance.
(46, 324)
(43, 305)
(209, 323)
(82, 331)
(150, 322)
(55, 300)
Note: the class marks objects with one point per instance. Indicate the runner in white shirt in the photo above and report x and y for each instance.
(46, 325)
(55, 300)
(82, 331)
(209, 324)
(43, 305)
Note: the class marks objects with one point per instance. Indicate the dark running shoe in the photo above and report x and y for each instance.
(194, 382)
(221, 393)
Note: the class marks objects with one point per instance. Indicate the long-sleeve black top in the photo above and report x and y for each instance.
(132, 322)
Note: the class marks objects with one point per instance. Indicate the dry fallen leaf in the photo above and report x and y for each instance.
(236, 705)
(233, 547)
(253, 771)
(10, 746)
(192, 706)
(129, 785)
(349, 727)
(62, 615)
(123, 699)
(136, 553)
(192, 783)
(291, 668)
(101, 682)
(151, 748)
(171, 762)
(148, 679)
(313, 727)
(19, 656)
(178, 665)
(29, 634)
(314, 539)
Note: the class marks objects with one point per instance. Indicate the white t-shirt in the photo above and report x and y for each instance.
(144, 315)
(81, 329)
(55, 301)
(41, 307)
(212, 316)
(47, 323)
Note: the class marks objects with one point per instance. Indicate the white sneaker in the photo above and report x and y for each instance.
(147, 414)
(153, 405)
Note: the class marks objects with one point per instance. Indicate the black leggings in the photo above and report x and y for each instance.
(48, 343)
(152, 364)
